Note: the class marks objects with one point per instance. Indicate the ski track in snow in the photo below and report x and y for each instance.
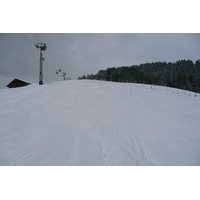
(99, 123)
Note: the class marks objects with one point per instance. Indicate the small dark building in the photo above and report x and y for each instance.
(17, 83)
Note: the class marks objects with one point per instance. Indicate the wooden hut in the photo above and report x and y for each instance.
(17, 83)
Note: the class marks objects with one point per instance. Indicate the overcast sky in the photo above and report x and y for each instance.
(80, 54)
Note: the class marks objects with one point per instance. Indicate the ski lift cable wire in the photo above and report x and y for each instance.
(38, 41)
(51, 64)
(28, 39)
(48, 52)
(34, 45)
(57, 70)
(37, 37)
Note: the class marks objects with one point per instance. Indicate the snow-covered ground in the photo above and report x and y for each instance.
(88, 122)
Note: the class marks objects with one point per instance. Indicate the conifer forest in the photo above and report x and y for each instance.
(182, 74)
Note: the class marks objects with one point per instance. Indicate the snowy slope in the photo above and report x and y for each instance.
(85, 122)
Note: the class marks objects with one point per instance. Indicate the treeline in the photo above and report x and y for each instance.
(182, 74)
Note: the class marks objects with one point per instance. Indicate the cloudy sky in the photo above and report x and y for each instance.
(80, 54)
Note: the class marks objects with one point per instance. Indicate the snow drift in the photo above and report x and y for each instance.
(87, 122)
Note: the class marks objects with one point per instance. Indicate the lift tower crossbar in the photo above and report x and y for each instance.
(42, 47)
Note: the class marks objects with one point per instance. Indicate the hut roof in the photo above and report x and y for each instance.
(17, 83)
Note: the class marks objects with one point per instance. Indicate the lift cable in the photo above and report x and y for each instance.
(51, 64)
(48, 51)
(28, 39)
(37, 37)
(34, 45)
